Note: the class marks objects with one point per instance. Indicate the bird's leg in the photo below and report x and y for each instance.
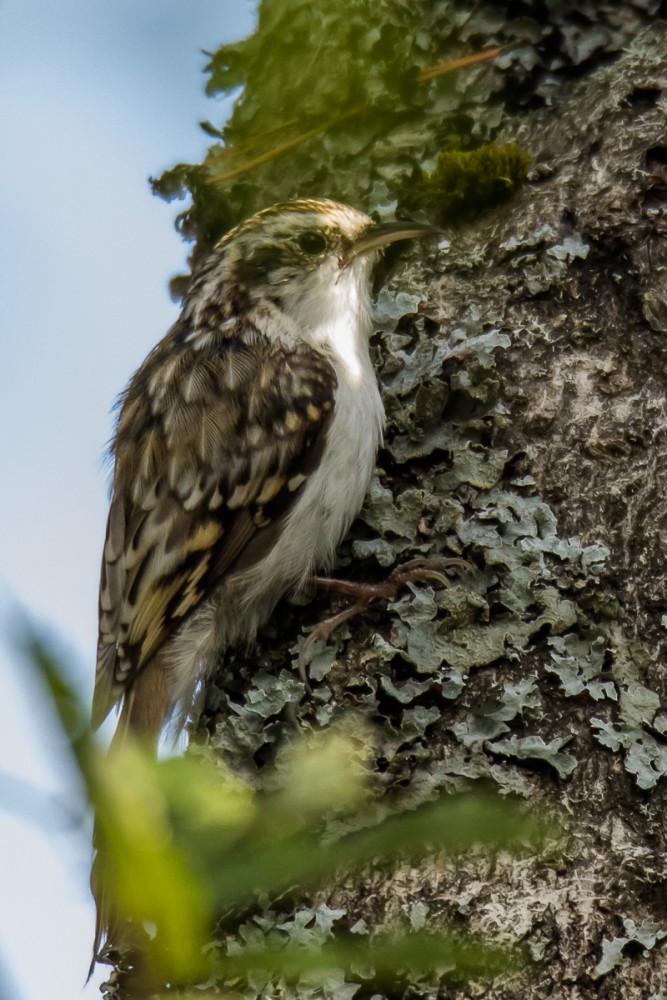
(416, 570)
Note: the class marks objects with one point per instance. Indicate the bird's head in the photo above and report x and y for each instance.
(303, 256)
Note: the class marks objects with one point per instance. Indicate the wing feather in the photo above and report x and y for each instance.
(212, 446)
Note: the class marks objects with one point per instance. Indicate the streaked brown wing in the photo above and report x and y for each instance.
(212, 447)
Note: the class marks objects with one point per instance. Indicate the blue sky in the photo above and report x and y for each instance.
(96, 96)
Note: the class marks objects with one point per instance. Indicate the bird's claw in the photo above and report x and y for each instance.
(421, 568)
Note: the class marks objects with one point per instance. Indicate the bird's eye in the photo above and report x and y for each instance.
(312, 243)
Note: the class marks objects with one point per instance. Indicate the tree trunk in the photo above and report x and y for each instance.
(524, 376)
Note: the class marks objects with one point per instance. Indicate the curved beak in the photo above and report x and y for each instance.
(379, 235)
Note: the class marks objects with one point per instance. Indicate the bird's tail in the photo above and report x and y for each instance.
(144, 712)
(146, 707)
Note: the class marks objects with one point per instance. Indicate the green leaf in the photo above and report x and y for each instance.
(413, 954)
(181, 840)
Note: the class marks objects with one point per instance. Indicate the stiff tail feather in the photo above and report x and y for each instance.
(144, 712)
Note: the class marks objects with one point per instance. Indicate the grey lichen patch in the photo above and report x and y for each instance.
(540, 260)
(396, 520)
(640, 727)
(464, 636)
(308, 927)
(418, 395)
(489, 720)
(534, 748)
(616, 951)
(391, 306)
(472, 765)
(474, 466)
(607, 667)
(579, 663)
(248, 726)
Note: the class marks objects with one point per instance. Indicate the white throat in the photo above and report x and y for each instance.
(332, 311)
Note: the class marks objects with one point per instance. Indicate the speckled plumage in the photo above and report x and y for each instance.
(243, 450)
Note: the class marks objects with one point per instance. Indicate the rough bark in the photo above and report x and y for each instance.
(525, 375)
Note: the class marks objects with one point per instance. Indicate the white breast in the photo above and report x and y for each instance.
(333, 315)
(335, 492)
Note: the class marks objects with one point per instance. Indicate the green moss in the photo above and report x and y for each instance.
(466, 183)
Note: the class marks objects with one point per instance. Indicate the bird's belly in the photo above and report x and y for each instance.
(329, 501)
(335, 493)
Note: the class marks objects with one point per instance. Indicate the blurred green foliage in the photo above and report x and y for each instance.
(182, 842)
(334, 104)
(350, 100)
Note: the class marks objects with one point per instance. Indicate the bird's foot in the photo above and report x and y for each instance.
(414, 571)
